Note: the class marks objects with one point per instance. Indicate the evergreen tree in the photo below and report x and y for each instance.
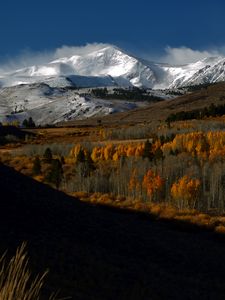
(48, 155)
(25, 123)
(28, 123)
(31, 123)
(36, 170)
(99, 121)
(147, 152)
(88, 165)
(80, 156)
(158, 154)
(62, 160)
(55, 173)
(85, 163)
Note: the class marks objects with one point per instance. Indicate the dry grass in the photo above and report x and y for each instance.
(158, 210)
(220, 229)
(16, 282)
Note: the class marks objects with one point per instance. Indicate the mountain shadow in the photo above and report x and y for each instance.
(99, 253)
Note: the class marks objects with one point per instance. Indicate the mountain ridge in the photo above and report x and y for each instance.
(124, 68)
(60, 90)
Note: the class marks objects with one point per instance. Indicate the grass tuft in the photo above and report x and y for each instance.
(16, 281)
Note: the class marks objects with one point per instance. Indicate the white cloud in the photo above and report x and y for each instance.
(24, 59)
(66, 51)
(184, 55)
(29, 58)
(179, 55)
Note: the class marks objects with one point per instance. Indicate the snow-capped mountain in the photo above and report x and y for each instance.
(208, 70)
(49, 92)
(104, 67)
(111, 66)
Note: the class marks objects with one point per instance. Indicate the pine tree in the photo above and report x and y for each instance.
(80, 156)
(85, 164)
(62, 160)
(28, 123)
(48, 155)
(36, 170)
(147, 151)
(158, 154)
(89, 164)
(25, 123)
(31, 123)
(55, 173)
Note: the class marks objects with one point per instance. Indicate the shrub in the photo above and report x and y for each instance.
(15, 278)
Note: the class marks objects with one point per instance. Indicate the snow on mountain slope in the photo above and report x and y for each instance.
(123, 69)
(191, 74)
(49, 105)
(46, 92)
(212, 72)
(111, 66)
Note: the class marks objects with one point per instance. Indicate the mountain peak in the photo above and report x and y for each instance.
(107, 60)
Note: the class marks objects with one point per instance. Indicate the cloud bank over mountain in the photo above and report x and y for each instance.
(171, 55)
(28, 57)
(108, 65)
(185, 55)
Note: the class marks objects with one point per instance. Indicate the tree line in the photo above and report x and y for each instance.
(134, 94)
(211, 111)
(187, 172)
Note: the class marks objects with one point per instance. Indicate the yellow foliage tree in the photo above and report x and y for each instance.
(108, 152)
(75, 150)
(202, 144)
(134, 185)
(97, 154)
(185, 192)
(139, 150)
(130, 151)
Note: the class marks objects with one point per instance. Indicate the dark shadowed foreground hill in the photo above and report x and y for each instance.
(102, 253)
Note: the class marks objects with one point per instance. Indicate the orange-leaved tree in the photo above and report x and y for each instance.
(153, 184)
(134, 185)
(186, 192)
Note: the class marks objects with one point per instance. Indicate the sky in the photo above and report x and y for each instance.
(162, 30)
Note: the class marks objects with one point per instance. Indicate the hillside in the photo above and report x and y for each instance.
(101, 253)
(47, 105)
(212, 94)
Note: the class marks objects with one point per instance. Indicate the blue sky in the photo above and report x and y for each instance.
(145, 28)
